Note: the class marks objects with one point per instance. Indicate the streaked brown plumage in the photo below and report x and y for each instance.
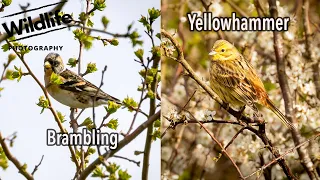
(235, 81)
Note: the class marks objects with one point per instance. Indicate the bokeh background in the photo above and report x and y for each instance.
(188, 151)
(19, 112)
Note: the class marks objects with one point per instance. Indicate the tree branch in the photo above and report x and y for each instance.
(152, 110)
(283, 155)
(308, 40)
(37, 166)
(85, 173)
(223, 150)
(22, 168)
(288, 101)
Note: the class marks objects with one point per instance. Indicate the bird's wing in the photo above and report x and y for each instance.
(75, 83)
(234, 75)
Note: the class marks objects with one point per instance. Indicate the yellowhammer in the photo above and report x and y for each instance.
(235, 81)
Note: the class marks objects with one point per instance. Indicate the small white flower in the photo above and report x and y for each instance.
(251, 7)
(289, 35)
(199, 146)
(216, 8)
(183, 19)
(208, 115)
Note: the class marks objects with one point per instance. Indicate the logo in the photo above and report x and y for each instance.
(46, 21)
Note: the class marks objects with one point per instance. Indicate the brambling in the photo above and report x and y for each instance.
(75, 91)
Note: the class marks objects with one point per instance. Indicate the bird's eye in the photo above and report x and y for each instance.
(55, 63)
(223, 50)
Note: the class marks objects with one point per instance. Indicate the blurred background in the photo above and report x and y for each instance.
(188, 151)
(19, 112)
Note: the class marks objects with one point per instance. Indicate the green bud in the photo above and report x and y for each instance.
(154, 14)
(91, 67)
(86, 122)
(55, 79)
(112, 107)
(61, 117)
(114, 42)
(113, 124)
(6, 2)
(157, 123)
(11, 57)
(43, 102)
(72, 62)
(139, 54)
(105, 21)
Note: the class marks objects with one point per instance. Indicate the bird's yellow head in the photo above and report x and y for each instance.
(53, 63)
(222, 50)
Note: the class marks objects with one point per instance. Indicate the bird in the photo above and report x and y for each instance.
(236, 82)
(73, 91)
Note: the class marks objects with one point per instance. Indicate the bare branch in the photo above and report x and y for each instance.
(14, 160)
(283, 155)
(37, 166)
(223, 150)
(130, 160)
(288, 101)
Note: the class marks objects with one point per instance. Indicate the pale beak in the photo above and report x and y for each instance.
(47, 65)
(212, 53)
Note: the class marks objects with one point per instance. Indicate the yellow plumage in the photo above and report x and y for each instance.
(235, 81)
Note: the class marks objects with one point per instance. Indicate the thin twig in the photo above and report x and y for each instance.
(115, 35)
(223, 150)
(283, 155)
(235, 136)
(142, 98)
(94, 97)
(236, 7)
(37, 166)
(130, 160)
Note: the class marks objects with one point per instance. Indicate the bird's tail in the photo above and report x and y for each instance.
(111, 98)
(275, 110)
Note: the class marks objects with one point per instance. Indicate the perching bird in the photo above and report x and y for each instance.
(75, 91)
(235, 81)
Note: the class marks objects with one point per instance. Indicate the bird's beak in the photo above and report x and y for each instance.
(47, 65)
(212, 53)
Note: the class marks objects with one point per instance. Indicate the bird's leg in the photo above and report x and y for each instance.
(239, 113)
(73, 121)
(227, 105)
(257, 117)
